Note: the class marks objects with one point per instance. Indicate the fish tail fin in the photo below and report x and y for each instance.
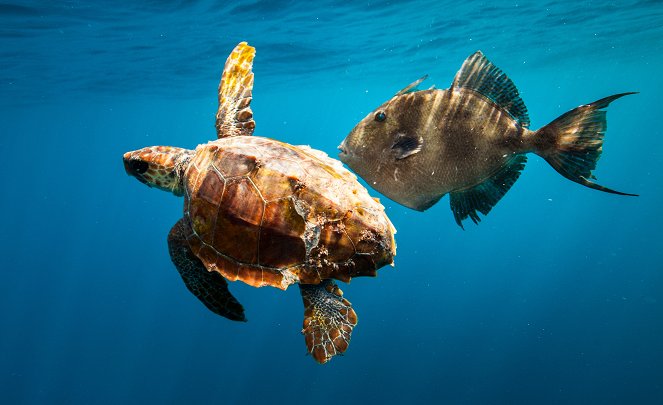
(572, 143)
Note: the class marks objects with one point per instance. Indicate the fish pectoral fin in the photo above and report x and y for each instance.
(483, 196)
(406, 145)
(480, 75)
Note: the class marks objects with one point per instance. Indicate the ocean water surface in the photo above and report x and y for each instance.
(556, 297)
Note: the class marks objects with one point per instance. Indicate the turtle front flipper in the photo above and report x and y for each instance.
(210, 287)
(234, 116)
(328, 320)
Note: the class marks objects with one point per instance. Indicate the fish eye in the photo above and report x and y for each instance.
(380, 116)
(138, 166)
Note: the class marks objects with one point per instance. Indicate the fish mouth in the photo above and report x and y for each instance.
(343, 152)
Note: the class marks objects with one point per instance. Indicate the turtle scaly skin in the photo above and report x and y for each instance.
(268, 214)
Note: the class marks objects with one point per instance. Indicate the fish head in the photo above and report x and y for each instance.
(388, 133)
(380, 143)
(387, 148)
(368, 139)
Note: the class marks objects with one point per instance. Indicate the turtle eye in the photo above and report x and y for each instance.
(380, 116)
(138, 166)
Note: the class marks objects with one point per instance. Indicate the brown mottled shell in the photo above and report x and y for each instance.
(268, 213)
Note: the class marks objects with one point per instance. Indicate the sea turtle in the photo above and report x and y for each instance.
(269, 214)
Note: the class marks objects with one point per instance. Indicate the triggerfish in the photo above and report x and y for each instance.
(469, 141)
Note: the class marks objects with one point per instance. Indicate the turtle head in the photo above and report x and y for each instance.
(159, 166)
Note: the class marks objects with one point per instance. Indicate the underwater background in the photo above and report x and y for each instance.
(556, 297)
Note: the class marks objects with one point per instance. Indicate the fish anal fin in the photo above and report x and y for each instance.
(234, 116)
(483, 196)
(480, 75)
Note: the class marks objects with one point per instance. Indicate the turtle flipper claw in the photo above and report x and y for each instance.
(328, 320)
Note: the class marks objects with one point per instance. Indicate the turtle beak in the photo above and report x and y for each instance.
(134, 167)
(125, 160)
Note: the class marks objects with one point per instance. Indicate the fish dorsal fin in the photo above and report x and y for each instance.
(480, 75)
(412, 87)
(234, 116)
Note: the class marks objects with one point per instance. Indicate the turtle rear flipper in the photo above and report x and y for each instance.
(209, 287)
(328, 320)
(234, 116)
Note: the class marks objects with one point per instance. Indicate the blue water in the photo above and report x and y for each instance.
(556, 297)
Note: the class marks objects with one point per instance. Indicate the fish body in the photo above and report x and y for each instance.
(469, 141)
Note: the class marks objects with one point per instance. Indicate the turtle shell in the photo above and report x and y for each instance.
(268, 213)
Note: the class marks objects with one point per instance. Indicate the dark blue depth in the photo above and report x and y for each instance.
(556, 297)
